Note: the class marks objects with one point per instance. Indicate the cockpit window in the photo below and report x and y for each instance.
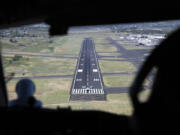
(90, 68)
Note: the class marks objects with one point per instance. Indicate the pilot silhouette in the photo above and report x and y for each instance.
(25, 90)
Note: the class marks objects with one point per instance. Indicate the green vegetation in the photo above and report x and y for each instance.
(63, 45)
(47, 90)
(112, 58)
(70, 47)
(31, 66)
(103, 45)
(131, 47)
(11, 90)
(116, 66)
(118, 81)
(116, 103)
(105, 48)
(101, 41)
(7, 46)
(55, 92)
(15, 60)
(25, 44)
(109, 54)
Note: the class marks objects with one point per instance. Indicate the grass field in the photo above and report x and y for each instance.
(47, 90)
(118, 81)
(71, 46)
(61, 45)
(132, 47)
(116, 103)
(101, 41)
(55, 92)
(109, 54)
(105, 48)
(32, 66)
(116, 66)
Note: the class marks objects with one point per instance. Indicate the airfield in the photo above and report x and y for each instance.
(84, 70)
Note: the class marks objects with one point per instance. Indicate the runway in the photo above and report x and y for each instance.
(87, 82)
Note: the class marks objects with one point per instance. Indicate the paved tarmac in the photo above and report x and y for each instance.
(133, 56)
(116, 90)
(87, 83)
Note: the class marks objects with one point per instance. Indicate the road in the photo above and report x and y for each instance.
(87, 83)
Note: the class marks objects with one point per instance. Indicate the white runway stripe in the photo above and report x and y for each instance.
(102, 92)
(77, 91)
(98, 92)
(95, 91)
(80, 91)
(72, 91)
(87, 91)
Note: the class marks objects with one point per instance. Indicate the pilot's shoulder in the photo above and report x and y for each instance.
(38, 103)
(12, 103)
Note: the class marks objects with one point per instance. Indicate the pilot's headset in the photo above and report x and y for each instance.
(166, 88)
(164, 98)
(25, 88)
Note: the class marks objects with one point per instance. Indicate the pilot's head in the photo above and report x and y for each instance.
(25, 88)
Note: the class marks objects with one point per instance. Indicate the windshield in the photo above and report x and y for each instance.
(90, 68)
